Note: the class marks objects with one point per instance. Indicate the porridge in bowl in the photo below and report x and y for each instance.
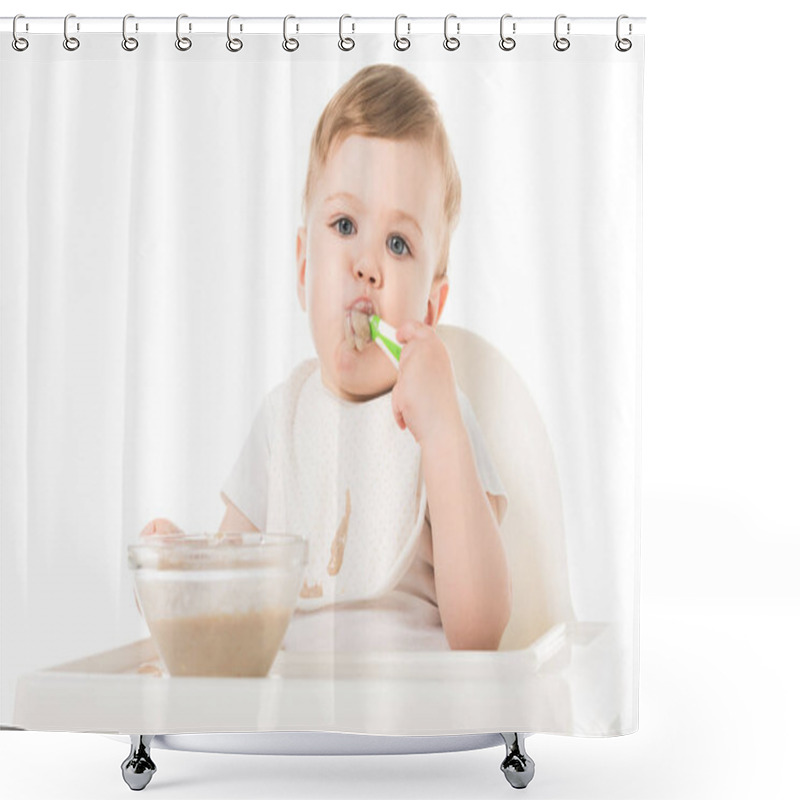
(218, 604)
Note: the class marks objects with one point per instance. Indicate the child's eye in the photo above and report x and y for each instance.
(344, 226)
(398, 245)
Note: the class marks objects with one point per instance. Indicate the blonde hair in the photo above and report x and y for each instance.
(387, 102)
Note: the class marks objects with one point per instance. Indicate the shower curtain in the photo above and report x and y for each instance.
(215, 242)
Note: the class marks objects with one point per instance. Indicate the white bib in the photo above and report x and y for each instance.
(345, 477)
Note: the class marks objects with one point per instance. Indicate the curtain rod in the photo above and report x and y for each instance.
(326, 25)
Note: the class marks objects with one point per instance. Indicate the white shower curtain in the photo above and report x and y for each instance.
(151, 202)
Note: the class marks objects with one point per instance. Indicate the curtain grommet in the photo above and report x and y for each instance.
(623, 44)
(345, 42)
(19, 43)
(183, 43)
(289, 44)
(507, 42)
(70, 43)
(451, 43)
(401, 43)
(234, 45)
(129, 43)
(561, 43)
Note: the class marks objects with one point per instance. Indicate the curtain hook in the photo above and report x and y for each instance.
(623, 45)
(183, 43)
(506, 42)
(18, 43)
(128, 42)
(346, 43)
(70, 42)
(290, 45)
(561, 43)
(451, 42)
(234, 45)
(401, 43)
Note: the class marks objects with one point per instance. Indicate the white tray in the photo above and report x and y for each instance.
(567, 681)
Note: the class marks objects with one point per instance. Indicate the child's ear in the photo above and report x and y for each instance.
(436, 299)
(301, 266)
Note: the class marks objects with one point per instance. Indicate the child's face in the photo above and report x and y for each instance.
(371, 241)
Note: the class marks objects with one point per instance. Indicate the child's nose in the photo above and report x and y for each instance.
(367, 270)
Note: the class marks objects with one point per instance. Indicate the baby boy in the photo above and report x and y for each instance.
(381, 466)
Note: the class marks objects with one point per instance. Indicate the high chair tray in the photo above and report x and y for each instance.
(392, 693)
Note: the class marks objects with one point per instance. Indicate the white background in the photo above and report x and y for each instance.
(720, 610)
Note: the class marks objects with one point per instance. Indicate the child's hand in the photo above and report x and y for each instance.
(158, 526)
(424, 397)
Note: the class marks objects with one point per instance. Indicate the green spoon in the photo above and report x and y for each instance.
(385, 336)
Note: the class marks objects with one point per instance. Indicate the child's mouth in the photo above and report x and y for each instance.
(357, 332)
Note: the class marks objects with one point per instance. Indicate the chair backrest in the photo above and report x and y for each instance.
(533, 527)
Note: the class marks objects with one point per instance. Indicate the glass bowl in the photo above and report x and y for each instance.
(218, 604)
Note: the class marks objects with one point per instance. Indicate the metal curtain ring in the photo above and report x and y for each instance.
(128, 42)
(451, 42)
(401, 43)
(18, 43)
(345, 43)
(506, 42)
(290, 45)
(623, 45)
(181, 42)
(70, 42)
(561, 43)
(234, 45)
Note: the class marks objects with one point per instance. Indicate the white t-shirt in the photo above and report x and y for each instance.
(307, 452)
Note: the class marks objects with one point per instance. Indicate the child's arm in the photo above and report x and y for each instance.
(473, 585)
(472, 580)
(233, 521)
